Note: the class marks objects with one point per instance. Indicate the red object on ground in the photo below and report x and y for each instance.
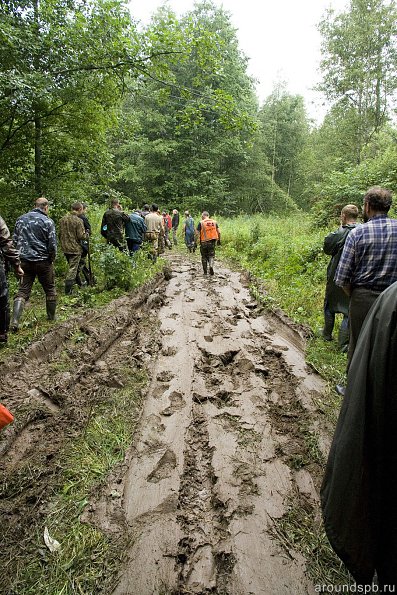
(6, 417)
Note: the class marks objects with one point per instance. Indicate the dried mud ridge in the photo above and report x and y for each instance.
(222, 445)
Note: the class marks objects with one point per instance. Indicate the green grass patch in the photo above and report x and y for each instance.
(298, 529)
(87, 559)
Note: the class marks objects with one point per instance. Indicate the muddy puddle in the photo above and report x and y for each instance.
(219, 450)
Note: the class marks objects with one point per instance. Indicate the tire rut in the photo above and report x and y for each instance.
(210, 471)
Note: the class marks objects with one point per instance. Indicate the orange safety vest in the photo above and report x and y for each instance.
(208, 230)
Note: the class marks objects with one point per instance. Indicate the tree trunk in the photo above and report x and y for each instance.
(37, 119)
(37, 155)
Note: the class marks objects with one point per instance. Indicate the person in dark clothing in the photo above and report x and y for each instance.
(8, 254)
(113, 224)
(85, 246)
(85, 220)
(145, 211)
(359, 491)
(135, 230)
(175, 225)
(35, 238)
(336, 300)
(368, 263)
(188, 231)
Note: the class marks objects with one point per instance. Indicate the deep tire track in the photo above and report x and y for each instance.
(207, 525)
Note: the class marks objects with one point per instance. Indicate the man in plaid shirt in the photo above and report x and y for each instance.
(368, 264)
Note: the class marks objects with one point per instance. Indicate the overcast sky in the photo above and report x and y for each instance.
(279, 37)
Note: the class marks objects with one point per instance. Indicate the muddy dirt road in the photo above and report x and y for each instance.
(220, 450)
(207, 475)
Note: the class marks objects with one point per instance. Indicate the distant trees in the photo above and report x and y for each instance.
(359, 67)
(63, 68)
(184, 136)
(355, 145)
(285, 130)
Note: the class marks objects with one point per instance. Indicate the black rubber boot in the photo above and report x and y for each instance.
(329, 322)
(343, 339)
(19, 304)
(51, 307)
(68, 287)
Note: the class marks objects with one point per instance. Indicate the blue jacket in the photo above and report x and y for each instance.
(35, 237)
(135, 228)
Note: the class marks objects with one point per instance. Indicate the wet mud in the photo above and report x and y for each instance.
(221, 446)
(219, 451)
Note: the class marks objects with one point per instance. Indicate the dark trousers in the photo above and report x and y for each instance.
(44, 271)
(329, 323)
(207, 250)
(132, 246)
(361, 301)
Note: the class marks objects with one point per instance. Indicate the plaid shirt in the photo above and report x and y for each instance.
(369, 257)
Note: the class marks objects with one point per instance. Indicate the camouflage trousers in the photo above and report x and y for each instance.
(73, 262)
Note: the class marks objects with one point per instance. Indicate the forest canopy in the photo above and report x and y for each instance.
(91, 103)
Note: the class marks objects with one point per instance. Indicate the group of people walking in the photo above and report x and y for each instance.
(155, 227)
(32, 249)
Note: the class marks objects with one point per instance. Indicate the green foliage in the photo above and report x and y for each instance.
(359, 62)
(88, 560)
(188, 140)
(354, 147)
(378, 167)
(285, 130)
(286, 253)
(115, 266)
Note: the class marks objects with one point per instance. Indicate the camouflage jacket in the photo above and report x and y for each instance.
(115, 221)
(7, 249)
(71, 232)
(35, 237)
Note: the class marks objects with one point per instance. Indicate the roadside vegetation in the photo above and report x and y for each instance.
(87, 559)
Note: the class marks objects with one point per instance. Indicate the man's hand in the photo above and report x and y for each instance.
(218, 242)
(19, 272)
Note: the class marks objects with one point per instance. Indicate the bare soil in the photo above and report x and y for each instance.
(221, 448)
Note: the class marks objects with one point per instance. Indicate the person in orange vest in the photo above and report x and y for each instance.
(209, 234)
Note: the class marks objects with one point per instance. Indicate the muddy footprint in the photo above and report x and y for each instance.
(177, 402)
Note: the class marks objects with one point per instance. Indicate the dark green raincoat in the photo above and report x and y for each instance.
(359, 492)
